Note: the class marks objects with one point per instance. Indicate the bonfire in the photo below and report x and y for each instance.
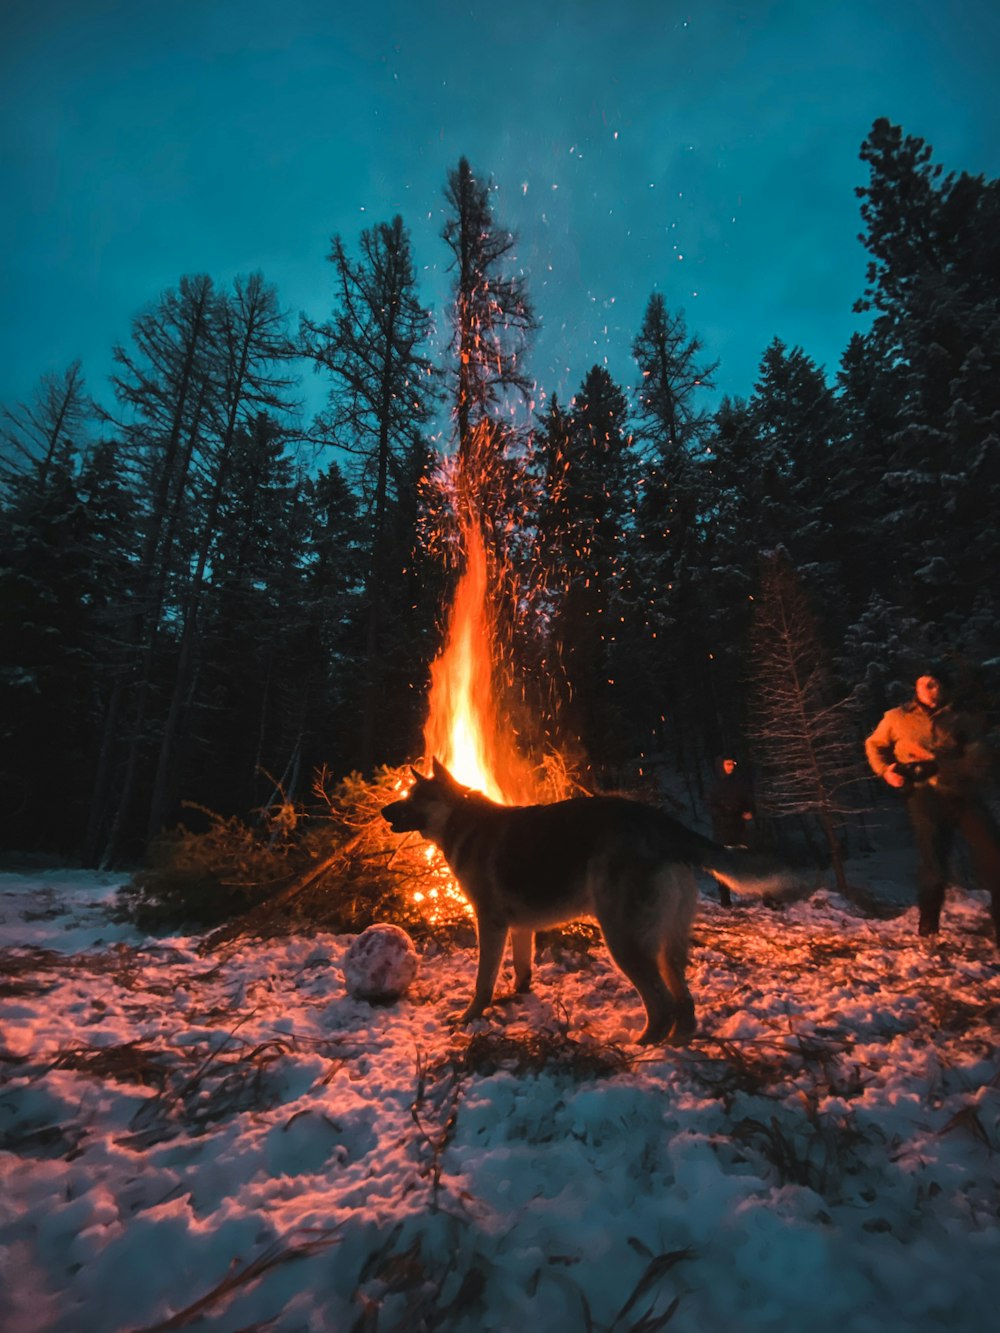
(345, 869)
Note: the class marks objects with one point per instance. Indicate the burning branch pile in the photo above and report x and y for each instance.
(334, 864)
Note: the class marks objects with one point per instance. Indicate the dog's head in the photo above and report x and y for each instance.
(426, 806)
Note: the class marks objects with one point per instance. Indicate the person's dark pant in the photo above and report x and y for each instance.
(731, 831)
(936, 817)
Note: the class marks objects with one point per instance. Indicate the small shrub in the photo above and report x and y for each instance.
(205, 878)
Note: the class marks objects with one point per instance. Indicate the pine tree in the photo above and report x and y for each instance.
(333, 637)
(166, 384)
(799, 429)
(773, 476)
(672, 369)
(484, 484)
(65, 560)
(934, 282)
(671, 429)
(253, 345)
(382, 396)
(870, 397)
(802, 736)
(546, 688)
(35, 436)
(587, 511)
(492, 317)
(251, 685)
(723, 579)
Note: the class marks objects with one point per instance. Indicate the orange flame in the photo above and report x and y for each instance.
(465, 729)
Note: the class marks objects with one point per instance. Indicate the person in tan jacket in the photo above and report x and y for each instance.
(938, 759)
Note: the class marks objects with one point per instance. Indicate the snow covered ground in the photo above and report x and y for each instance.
(230, 1141)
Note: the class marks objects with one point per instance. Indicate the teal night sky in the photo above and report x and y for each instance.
(709, 150)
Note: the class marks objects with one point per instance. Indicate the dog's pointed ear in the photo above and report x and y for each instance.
(441, 774)
(417, 777)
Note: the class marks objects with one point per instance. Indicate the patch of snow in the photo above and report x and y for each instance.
(238, 1137)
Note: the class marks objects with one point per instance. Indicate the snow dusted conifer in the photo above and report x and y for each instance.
(934, 282)
(881, 652)
(803, 739)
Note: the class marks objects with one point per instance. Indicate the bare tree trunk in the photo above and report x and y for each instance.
(372, 673)
(144, 389)
(157, 576)
(182, 683)
(254, 346)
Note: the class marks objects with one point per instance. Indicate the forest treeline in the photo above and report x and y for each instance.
(203, 599)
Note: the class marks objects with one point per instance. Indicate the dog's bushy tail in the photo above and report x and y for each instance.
(756, 873)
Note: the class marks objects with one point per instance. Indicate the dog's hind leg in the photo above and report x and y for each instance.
(674, 960)
(642, 969)
(523, 947)
(678, 903)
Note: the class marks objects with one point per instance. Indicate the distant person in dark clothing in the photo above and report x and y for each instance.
(938, 759)
(730, 801)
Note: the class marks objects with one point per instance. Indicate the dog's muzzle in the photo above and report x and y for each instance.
(399, 817)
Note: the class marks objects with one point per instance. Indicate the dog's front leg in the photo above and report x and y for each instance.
(492, 939)
(523, 947)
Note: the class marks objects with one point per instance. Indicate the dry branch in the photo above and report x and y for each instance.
(282, 1251)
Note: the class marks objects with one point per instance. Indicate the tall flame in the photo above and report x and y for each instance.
(465, 729)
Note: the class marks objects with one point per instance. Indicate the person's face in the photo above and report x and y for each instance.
(928, 691)
(729, 767)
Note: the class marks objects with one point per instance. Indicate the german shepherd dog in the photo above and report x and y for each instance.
(525, 868)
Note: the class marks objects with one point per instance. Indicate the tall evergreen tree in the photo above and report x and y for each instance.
(492, 317)
(801, 735)
(775, 477)
(934, 285)
(673, 371)
(671, 427)
(333, 630)
(586, 513)
(251, 683)
(66, 536)
(872, 556)
(37, 435)
(488, 474)
(799, 429)
(65, 558)
(253, 349)
(381, 398)
(724, 578)
(165, 383)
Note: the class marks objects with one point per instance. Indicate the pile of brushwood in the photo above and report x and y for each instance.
(333, 864)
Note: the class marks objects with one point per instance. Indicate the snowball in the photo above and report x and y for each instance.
(380, 963)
